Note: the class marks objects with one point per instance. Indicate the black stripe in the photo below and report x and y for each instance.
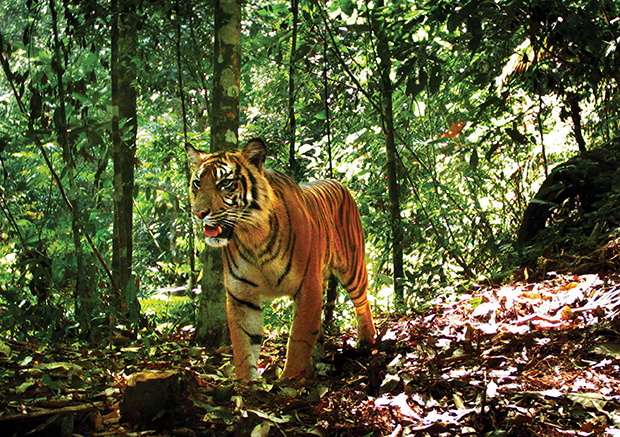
(294, 295)
(253, 185)
(290, 250)
(355, 279)
(229, 261)
(274, 229)
(250, 305)
(244, 185)
(241, 279)
(360, 304)
(244, 251)
(230, 264)
(244, 182)
(277, 237)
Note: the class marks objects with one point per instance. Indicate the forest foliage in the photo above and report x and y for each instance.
(488, 97)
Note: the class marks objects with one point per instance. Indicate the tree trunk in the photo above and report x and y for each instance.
(575, 114)
(211, 322)
(387, 124)
(291, 92)
(328, 132)
(123, 150)
(226, 75)
(191, 283)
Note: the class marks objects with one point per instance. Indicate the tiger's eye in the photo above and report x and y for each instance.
(225, 184)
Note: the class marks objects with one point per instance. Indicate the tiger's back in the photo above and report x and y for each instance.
(279, 238)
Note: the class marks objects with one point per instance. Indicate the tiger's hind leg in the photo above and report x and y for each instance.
(356, 284)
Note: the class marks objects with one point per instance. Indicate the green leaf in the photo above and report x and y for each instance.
(87, 59)
(412, 89)
(406, 68)
(49, 382)
(385, 279)
(347, 6)
(607, 348)
(322, 115)
(516, 136)
(475, 302)
(473, 161)
(589, 400)
(494, 147)
(434, 82)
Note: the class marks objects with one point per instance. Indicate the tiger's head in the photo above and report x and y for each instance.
(228, 190)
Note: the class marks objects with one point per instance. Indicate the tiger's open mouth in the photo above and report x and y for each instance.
(220, 231)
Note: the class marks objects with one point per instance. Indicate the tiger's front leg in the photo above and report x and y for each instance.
(304, 331)
(245, 322)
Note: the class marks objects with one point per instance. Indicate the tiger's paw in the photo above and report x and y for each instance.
(366, 341)
(366, 335)
(296, 373)
(295, 382)
(245, 373)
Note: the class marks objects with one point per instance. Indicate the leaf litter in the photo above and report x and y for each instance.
(525, 359)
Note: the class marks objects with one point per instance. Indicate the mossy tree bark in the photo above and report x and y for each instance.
(124, 133)
(211, 322)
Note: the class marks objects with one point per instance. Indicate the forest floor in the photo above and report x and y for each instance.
(525, 359)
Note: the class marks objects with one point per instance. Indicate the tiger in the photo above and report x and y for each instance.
(278, 238)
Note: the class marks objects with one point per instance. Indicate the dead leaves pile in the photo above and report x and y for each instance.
(520, 360)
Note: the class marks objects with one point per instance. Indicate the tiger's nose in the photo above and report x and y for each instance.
(201, 214)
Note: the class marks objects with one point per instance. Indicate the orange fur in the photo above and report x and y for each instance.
(278, 239)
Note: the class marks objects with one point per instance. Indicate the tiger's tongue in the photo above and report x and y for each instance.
(212, 231)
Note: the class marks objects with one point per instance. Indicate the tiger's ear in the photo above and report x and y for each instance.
(255, 152)
(195, 156)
